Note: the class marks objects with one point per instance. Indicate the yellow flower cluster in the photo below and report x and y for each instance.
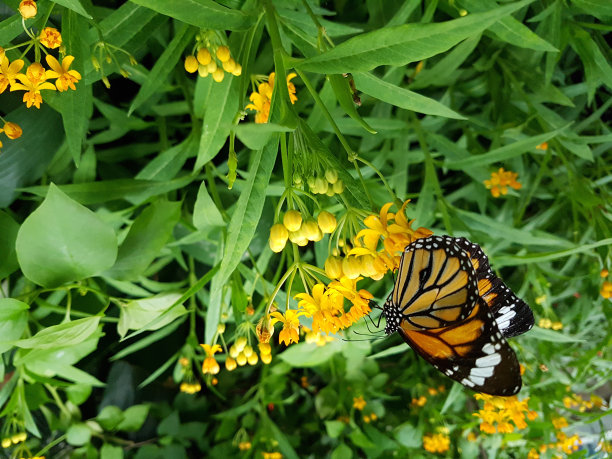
(190, 387)
(11, 130)
(547, 323)
(300, 231)
(606, 287)
(500, 181)
(370, 418)
(260, 99)
(241, 353)
(499, 411)
(328, 183)
(13, 439)
(575, 401)
(436, 443)
(419, 402)
(34, 80)
(274, 455)
(244, 445)
(212, 60)
(317, 338)
(359, 403)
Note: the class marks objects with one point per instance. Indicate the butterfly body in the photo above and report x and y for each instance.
(453, 311)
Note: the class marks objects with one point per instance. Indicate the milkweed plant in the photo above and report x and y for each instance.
(204, 206)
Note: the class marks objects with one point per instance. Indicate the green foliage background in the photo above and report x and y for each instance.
(122, 246)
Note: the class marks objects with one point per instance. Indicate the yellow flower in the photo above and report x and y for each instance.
(436, 443)
(292, 220)
(359, 403)
(50, 38)
(191, 64)
(244, 445)
(559, 422)
(210, 365)
(333, 267)
(542, 146)
(420, 402)
(533, 454)
(499, 411)
(6, 442)
(33, 82)
(9, 72)
(291, 323)
(28, 9)
(263, 96)
(190, 388)
(11, 130)
(65, 77)
(500, 181)
(203, 56)
(327, 222)
(274, 455)
(230, 364)
(223, 53)
(606, 290)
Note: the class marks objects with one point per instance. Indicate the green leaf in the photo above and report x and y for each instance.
(403, 44)
(334, 428)
(8, 236)
(111, 452)
(400, 97)
(163, 66)
(342, 451)
(133, 418)
(245, 218)
(78, 393)
(74, 5)
(205, 14)
(303, 355)
(66, 334)
(544, 334)
(138, 314)
(514, 260)
(110, 417)
(409, 436)
(343, 94)
(256, 136)
(147, 236)
(78, 434)
(220, 111)
(13, 321)
(62, 241)
(205, 212)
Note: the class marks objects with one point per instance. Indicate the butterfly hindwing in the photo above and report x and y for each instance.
(472, 351)
(513, 315)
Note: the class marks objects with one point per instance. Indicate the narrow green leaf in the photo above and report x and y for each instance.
(342, 91)
(118, 27)
(256, 136)
(403, 44)
(74, 5)
(205, 212)
(168, 163)
(514, 32)
(515, 260)
(205, 14)
(8, 236)
(543, 334)
(66, 334)
(147, 341)
(503, 153)
(163, 66)
(147, 236)
(63, 241)
(400, 97)
(598, 8)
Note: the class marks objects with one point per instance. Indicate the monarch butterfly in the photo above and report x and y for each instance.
(453, 311)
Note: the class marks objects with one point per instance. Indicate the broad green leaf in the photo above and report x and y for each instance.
(514, 32)
(137, 314)
(598, 8)
(244, 220)
(66, 334)
(401, 97)
(135, 191)
(163, 66)
(13, 321)
(147, 236)
(133, 418)
(220, 111)
(334, 428)
(206, 215)
(343, 94)
(168, 163)
(74, 5)
(109, 451)
(205, 14)
(78, 434)
(503, 153)
(409, 436)
(403, 44)
(256, 136)
(118, 27)
(342, 451)
(110, 417)
(8, 236)
(63, 241)
(303, 355)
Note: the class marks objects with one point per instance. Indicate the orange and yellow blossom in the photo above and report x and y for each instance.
(65, 77)
(500, 181)
(497, 413)
(11, 130)
(50, 38)
(210, 365)
(436, 443)
(33, 82)
(9, 72)
(261, 99)
(291, 324)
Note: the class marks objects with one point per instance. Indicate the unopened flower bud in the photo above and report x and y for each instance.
(351, 267)
(12, 130)
(278, 237)
(266, 358)
(229, 65)
(203, 56)
(331, 175)
(223, 53)
(191, 64)
(321, 185)
(237, 70)
(218, 75)
(312, 230)
(327, 222)
(202, 71)
(28, 9)
(241, 359)
(230, 364)
(292, 220)
(248, 350)
(333, 267)
(253, 359)
(240, 343)
(338, 187)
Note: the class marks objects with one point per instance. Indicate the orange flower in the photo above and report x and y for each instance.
(210, 365)
(11, 130)
(500, 181)
(291, 324)
(9, 72)
(65, 77)
(28, 9)
(263, 96)
(33, 82)
(50, 38)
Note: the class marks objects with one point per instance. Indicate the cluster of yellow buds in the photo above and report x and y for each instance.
(190, 387)
(212, 58)
(300, 231)
(438, 442)
(13, 439)
(244, 445)
(577, 402)
(241, 353)
(500, 181)
(606, 287)
(328, 183)
(547, 323)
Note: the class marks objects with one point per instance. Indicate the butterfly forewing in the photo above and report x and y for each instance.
(471, 351)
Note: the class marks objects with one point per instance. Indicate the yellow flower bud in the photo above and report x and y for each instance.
(241, 359)
(202, 71)
(218, 75)
(327, 222)
(292, 220)
(463, 12)
(240, 343)
(264, 330)
(331, 176)
(265, 348)
(204, 57)
(229, 65)
(278, 237)
(312, 231)
(604, 273)
(338, 187)
(330, 191)
(321, 185)
(368, 267)
(266, 358)
(298, 237)
(237, 70)
(230, 364)
(221, 328)
(253, 359)
(234, 351)
(333, 267)
(248, 350)
(351, 267)
(28, 9)
(311, 184)
(12, 130)
(223, 53)
(191, 64)
(6, 442)
(211, 66)
(297, 179)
